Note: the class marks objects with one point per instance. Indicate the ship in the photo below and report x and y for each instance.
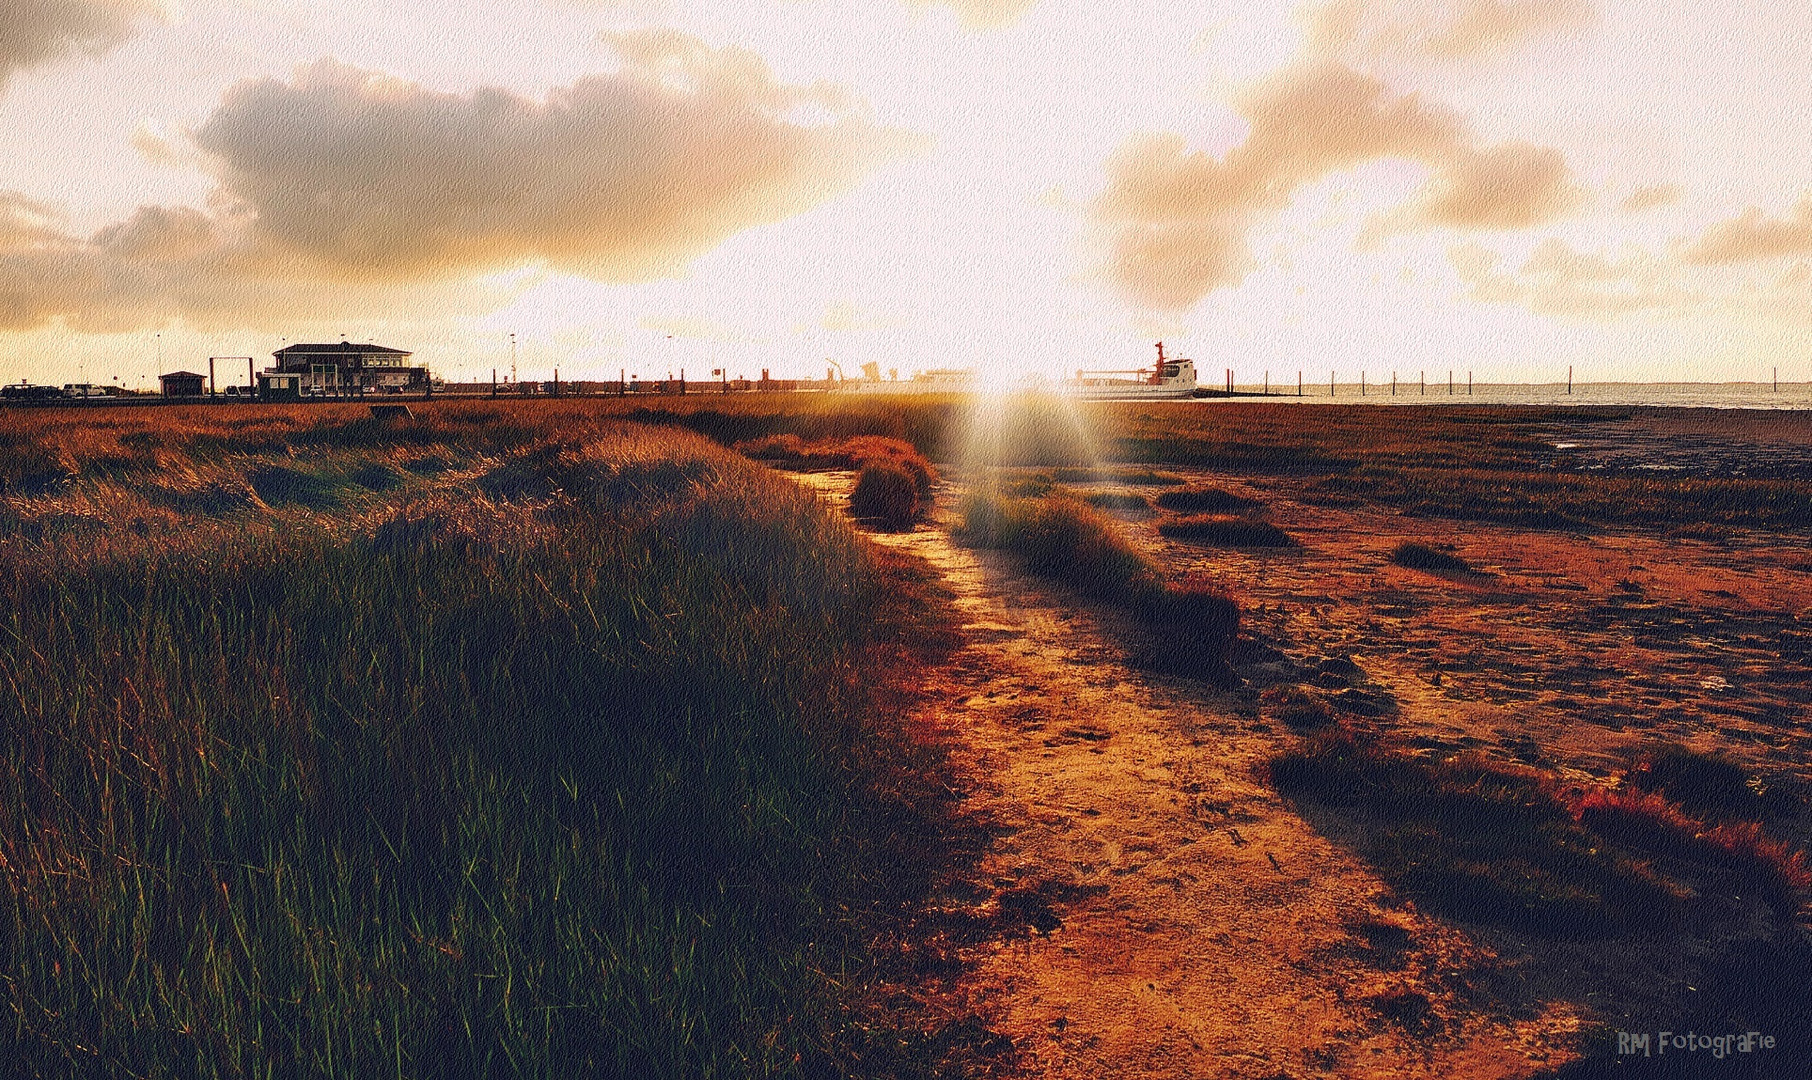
(1167, 378)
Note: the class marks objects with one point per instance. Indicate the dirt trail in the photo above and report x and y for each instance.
(1178, 918)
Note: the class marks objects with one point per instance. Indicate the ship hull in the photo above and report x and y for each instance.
(1128, 392)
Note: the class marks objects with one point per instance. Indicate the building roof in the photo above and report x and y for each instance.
(342, 349)
(183, 375)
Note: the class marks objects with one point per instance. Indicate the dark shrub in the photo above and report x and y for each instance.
(1420, 557)
(1647, 822)
(1063, 538)
(1205, 500)
(1477, 841)
(866, 450)
(1195, 624)
(1226, 531)
(1114, 500)
(1066, 539)
(886, 494)
(991, 521)
(1700, 783)
(1297, 708)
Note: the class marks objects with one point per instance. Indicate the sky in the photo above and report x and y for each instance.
(1507, 187)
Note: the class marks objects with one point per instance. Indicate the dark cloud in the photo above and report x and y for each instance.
(1173, 222)
(34, 32)
(348, 177)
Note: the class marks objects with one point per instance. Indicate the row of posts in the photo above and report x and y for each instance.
(1421, 383)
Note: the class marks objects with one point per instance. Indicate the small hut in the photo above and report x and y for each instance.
(181, 384)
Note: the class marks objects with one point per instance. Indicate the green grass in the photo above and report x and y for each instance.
(557, 760)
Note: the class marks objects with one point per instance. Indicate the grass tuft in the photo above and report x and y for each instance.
(1206, 500)
(1063, 538)
(1116, 500)
(1505, 845)
(1226, 531)
(1421, 557)
(1474, 841)
(888, 495)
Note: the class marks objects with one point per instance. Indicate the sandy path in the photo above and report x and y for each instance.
(1205, 928)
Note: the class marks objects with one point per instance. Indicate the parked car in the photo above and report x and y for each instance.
(27, 392)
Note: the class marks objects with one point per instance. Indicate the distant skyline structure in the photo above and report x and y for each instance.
(1513, 187)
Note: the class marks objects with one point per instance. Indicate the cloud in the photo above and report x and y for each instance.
(1512, 186)
(34, 32)
(168, 263)
(343, 176)
(1360, 31)
(1649, 197)
(621, 177)
(983, 14)
(1754, 235)
(25, 221)
(1558, 279)
(1173, 222)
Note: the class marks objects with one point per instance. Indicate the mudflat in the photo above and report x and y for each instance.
(1179, 912)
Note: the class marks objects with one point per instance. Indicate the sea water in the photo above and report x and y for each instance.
(1738, 395)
